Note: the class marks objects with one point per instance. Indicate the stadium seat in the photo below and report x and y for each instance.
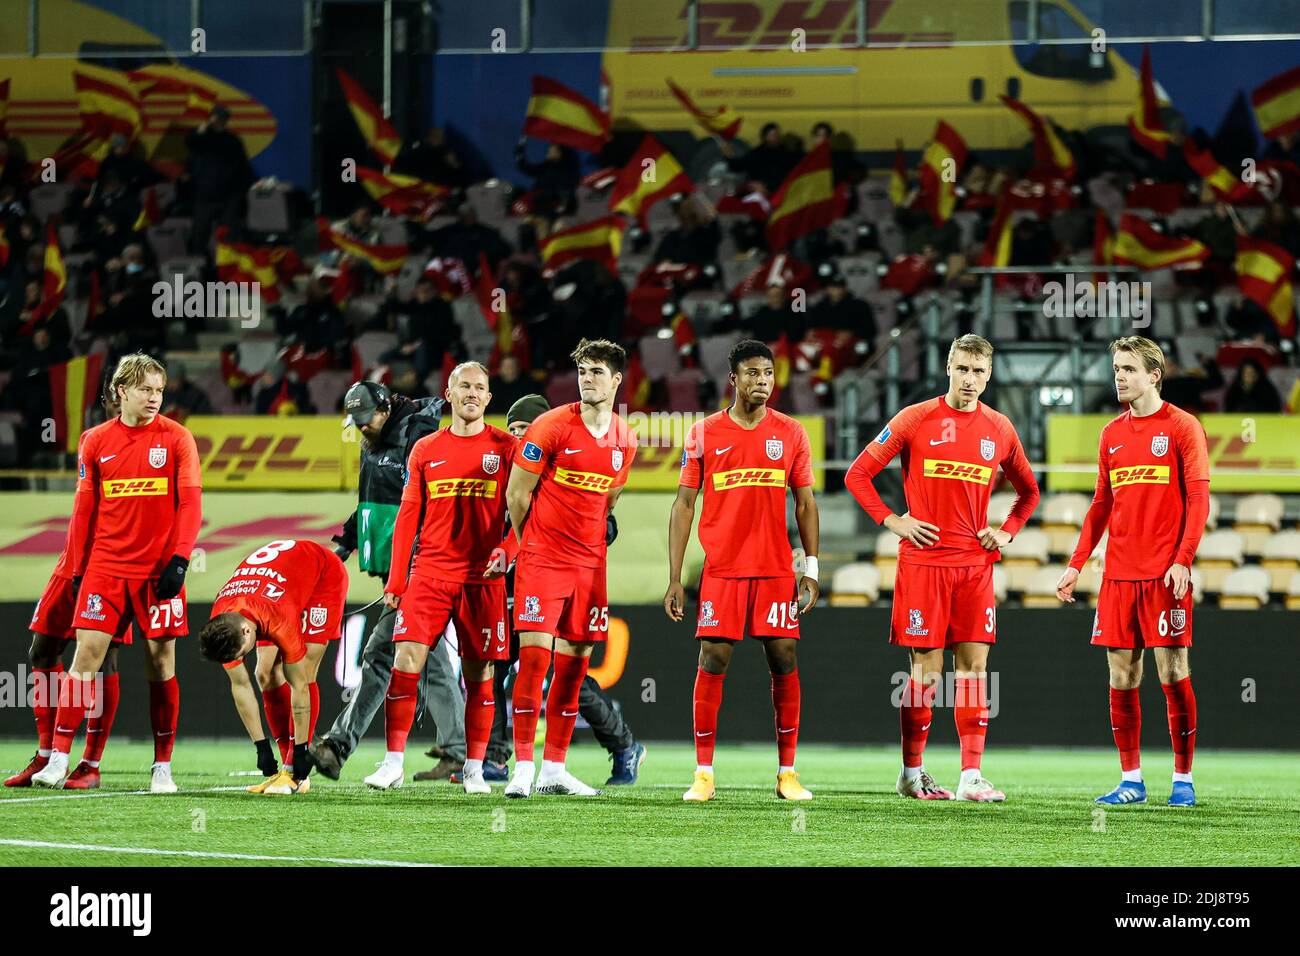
(408, 276)
(1245, 589)
(855, 585)
(368, 346)
(1281, 558)
(684, 390)
(167, 241)
(713, 351)
(562, 389)
(1089, 583)
(659, 356)
(268, 209)
(1040, 587)
(1293, 593)
(887, 558)
(49, 199)
(1062, 519)
(490, 200)
(1255, 518)
(392, 230)
(1023, 557)
(327, 390)
(999, 584)
(360, 309)
(1220, 553)
(803, 397)
(704, 307)
(1000, 506)
(1198, 586)
(190, 268)
(1212, 519)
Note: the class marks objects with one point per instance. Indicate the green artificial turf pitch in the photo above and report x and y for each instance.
(1247, 811)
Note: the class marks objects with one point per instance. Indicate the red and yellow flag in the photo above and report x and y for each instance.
(74, 387)
(55, 280)
(384, 259)
(723, 121)
(150, 211)
(510, 338)
(898, 178)
(652, 174)
(241, 262)
(807, 200)
(375, 128)
(1264, 276)
(1226, 186)
(399, 194)
(1049, 150)
(997, 247)
(600, 239)
(561, 115)
(1144, 122)
(1138, 244)
(108, 103)
(636, 384)
(1277, 104)
(940, 165)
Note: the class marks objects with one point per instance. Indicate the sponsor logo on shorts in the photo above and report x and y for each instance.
(584, 480)
(134, 487)
(491, 464)
(775, 449)
(157, 457)
(1140, 475)
(749, 478)
(463, 488)
(706, 615)
(987, 449)
(958, 470)
(532, 452)
(1159, 445)
(532, 610)
(94, 607)
(916, 624)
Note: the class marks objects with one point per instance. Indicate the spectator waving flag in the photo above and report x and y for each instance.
(74, 387)
(384, 259)
(1226, 186)
(600, 239)
(807, 200)
(650, 175)
(108, 102)
(997, 248)
(1138, 243)
(1144, 122)
(241, 262)
(375, 128)
(1277, 104)
(402, 195)
(1050, 152)
(723, 121)
(150, 211)
(55, 280)
(510, 339)
(940, 165)
(1264, 276)
(560, 115)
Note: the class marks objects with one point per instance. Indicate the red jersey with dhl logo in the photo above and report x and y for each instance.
(566, 524)
(950, 459)
(455, 501)
(140, 486)
(743, 474)
(1153, 489)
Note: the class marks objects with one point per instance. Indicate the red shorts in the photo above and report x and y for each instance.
(56, 609)
(564, 601)
(940, 607)
(1137, 614)
(478, 612)
(109, 604)
(322, 616)
(765, 607)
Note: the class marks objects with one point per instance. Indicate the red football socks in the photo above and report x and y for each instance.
(785, 702)
(562, 705)
(971, 710)
(314, 690)
(527, 700)
(45, 701)
(75, 698)
(914, 718)
(98, 728)
(278, 704)
(399, 708)
(1182, 722)
(1126, 725)
(708, 698)
(480, 709)
(164, 709)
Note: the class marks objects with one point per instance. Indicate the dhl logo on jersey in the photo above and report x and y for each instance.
(959, 470)
(134, 487)
(584, 480)
(748, 478)
(1139, 475)
(463, 488)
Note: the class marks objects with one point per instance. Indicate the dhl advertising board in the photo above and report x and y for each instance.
(322, 453)
(1245, 451)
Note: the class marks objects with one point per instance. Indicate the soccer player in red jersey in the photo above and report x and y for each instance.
(454, 502)
(285, 600)
(135, 518)
(943, 593)
(51, 629)
(1153, 496)
(743, 459)
(569, 470)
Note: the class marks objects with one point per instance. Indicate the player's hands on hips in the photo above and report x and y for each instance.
(392, 600)
(920, 533)
(809, 592)
(994, 539)
(172, 578)
(1179, 577)
(675, 601)
(1065, 586)
(497, 564)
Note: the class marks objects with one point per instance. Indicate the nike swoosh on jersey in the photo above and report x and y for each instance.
(1111, 451)
(435, 464)
(107, 458)
(721, 451)
(941, 441)
(572, 451)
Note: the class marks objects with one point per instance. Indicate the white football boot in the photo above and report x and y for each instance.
(564, 784)
(521, 782)
(54, 774)
(161, 780)
(388, 776)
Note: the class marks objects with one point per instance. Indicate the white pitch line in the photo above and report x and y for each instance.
(198, 854)
(109, 793)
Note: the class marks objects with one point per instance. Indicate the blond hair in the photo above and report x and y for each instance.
(1152, 356)
(131, 371)
(976, 345)
(454, 377)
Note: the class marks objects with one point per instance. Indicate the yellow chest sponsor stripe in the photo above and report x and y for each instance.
(958, 470)
(584, 480)
(748, 478)
(134, 487)
(1139, 475)
(463, 488)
